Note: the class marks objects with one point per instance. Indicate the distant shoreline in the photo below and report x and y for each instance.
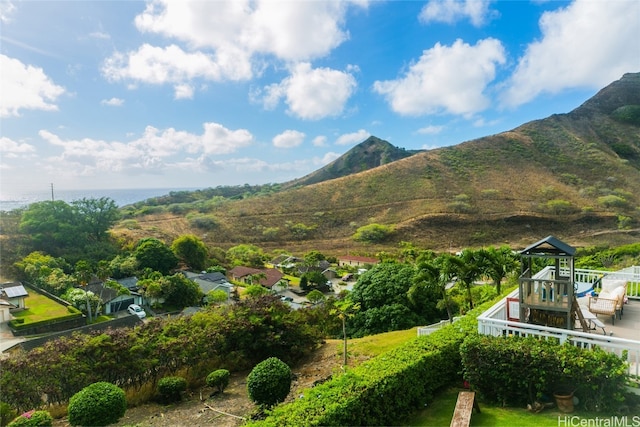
(122, 197)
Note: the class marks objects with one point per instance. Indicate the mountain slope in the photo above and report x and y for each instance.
(574, 175)
(369, 154)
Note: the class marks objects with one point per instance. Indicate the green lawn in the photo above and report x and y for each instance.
(440, 411)
(39, 307)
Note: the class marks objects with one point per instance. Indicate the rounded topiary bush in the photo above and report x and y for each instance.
(171, 388)
(32, 419)
(218, 379)
(269, 382)
(98, 404)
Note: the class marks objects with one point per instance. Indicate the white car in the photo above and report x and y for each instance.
(137, 310)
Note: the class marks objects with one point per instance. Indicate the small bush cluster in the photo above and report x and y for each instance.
(32, 419)
(98, 404)
(218, 379)
(170, 388)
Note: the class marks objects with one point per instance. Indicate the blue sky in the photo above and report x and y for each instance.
(181, 94)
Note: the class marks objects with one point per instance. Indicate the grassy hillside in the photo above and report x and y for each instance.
(574, 175)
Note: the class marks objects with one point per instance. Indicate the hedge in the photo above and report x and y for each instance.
(385, 389)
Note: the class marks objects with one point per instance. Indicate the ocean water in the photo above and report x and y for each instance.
(122, 197)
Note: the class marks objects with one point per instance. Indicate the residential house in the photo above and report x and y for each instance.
(357, 261)
(213, 281)
(14, 293)
(5, 310)
(267, 277)
(112, 301)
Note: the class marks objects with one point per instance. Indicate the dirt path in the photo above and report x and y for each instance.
(229, 408)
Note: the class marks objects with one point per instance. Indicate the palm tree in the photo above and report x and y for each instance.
(437, 273)
(83, 274)
(468, 267)
(498, 263)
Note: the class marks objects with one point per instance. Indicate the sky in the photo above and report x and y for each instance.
(197, 94)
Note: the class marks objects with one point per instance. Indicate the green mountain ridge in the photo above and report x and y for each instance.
(574, 175)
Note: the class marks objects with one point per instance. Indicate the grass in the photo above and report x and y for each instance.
(374, 345)
(40, 308)
(440, 412)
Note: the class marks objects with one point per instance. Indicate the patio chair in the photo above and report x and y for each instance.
(610, 300)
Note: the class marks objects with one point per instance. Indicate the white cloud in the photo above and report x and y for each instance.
(172, 65)
(25, 87)
(153, 152)
(312, 93)
(11, 149)
(230, 40)
(587, 44)
(6, 9)
(113, 102)
(289, 30)
(353, 138)
(449, 79)
(100, 35)
(288, 139)
(319, 141)
(451, 11)
(183, 91)
(430, 130)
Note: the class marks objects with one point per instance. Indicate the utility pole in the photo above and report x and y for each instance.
(52, 199)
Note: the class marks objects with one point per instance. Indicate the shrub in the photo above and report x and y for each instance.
(219, 379)
(612, 201)
(171, 388)
(269, 382)
(7, 413)
(202, 222)
(33, 419)
(98, 404)
(372, 233)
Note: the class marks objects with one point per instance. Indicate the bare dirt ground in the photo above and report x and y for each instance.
(229, 409)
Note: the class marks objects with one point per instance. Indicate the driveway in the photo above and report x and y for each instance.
(7, 340)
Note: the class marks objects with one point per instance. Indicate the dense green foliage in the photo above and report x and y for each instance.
(32, 419)
(98, 404)
(191, 251)
(238, 335)
(170, 388)
(382, 295)
(269, 382)
(373, 233)
(77, 231)
(515, 371)
(155, 255)
(385, 389)
(218, 379)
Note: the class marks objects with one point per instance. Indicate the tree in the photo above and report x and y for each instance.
(154, 254)
(179, 291)
(84, 274)
(269, 382)
(498, 263)
(51, 227)
(315, 278)
(315, 296)
(468, 267)
(96, 216)
(256, 291)
(436, 273)
(191, 250)
(217, 296)
(344, 309)
(247, 255)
